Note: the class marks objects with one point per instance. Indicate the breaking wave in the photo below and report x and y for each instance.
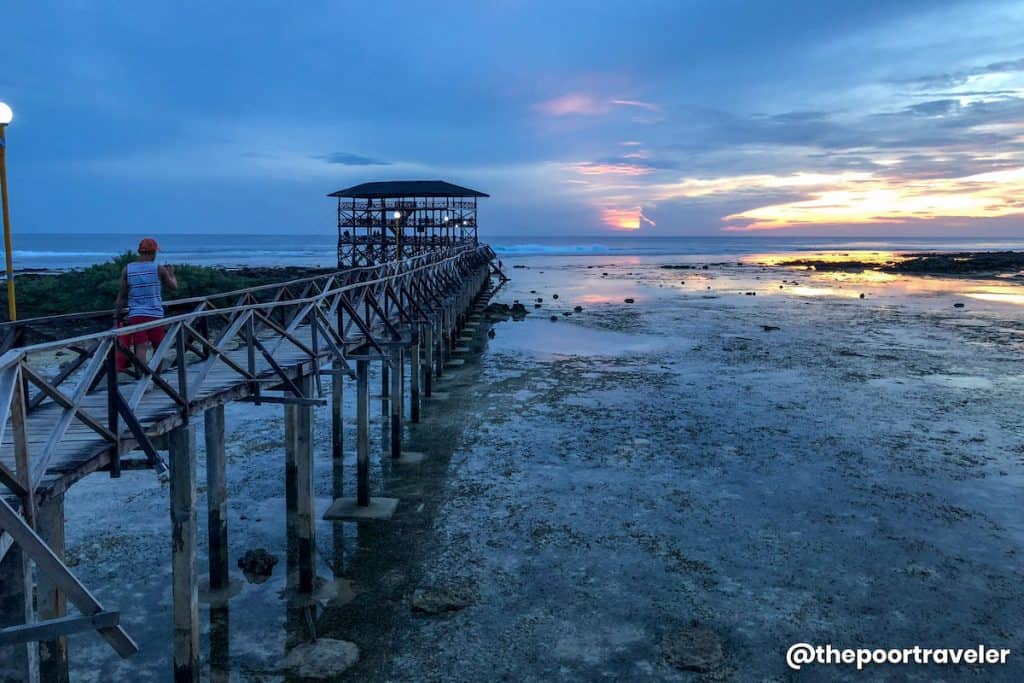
(561, 249)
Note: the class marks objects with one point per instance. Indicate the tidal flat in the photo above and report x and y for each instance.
(758, 451)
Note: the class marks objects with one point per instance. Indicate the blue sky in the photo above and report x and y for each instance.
(669, 118)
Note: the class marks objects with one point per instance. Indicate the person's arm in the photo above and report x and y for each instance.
(167, 278)
(122, 295)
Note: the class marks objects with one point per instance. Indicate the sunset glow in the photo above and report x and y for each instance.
(625, 219)
(883, 200)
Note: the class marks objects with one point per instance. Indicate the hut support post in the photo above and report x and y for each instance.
(185, 610)
(217, 497)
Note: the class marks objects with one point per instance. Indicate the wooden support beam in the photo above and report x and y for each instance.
(385, 387)
(428, 361)
(51, 601)
(298, 483)
(18, 662)
(185, 608)
(56, 629)
(216, 497)
(30, 546)
(337, 432)
(363, 433)
(397, 400)
(414, 382)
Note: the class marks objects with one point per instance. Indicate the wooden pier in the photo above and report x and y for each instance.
(274, 344)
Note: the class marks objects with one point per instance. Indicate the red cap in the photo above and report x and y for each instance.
(148, 245)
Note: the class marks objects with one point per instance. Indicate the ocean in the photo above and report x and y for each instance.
(55, 251)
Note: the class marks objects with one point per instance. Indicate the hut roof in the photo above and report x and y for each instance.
(407, 188)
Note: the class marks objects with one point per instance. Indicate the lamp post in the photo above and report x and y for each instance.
(5, 117)
(398, 234)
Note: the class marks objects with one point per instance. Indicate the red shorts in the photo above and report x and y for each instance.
(153, 335)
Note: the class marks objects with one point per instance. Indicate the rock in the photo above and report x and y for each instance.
(861, 294)
(539, 299)
(770, 328)
(554, 318)
(441, 599)
(490, 333)
(257, 565)
(958, 305)
(533, 291)
(566, 313)
(704, 267)
(518, 310)
(536, 305)
(693, 649)
(628, 301)
(554, 296)
(325, 658)
(604, 274)
(518, 265)
(577, 309)
(498, 310)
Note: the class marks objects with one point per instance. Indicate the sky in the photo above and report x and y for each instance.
(638, 117)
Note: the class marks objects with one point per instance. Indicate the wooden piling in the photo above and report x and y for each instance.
(428, 363)
(185, 598)
(396, 405)
(298, 425)
(362, 433)
(385, 388)
(414, 380)
(51, 601)
(217, 498)
(337, 431)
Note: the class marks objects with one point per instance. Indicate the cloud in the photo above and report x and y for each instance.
(879, 199)
(649, 106)
(572, 104)
(621, 168)
(349, 159)
(960, 77)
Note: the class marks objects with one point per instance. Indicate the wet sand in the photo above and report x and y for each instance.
(852, 478)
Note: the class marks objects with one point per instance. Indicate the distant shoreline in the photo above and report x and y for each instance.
(967, 263)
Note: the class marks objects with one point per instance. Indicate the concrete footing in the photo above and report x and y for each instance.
(349, 510)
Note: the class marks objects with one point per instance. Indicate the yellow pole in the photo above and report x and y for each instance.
(12, 307)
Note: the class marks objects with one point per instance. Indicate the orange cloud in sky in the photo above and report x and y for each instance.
(625, 219)
(881, 200)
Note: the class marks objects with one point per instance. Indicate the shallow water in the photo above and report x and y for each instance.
(852, 477)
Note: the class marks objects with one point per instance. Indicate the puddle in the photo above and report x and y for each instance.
(564, 338)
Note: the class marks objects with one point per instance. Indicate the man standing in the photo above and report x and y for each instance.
(141, 286)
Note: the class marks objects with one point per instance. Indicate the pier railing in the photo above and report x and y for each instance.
(242, 331)
(263, 344)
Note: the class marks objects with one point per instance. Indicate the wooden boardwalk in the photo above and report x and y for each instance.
(267, 345)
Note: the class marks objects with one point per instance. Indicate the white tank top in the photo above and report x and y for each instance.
(144, 296)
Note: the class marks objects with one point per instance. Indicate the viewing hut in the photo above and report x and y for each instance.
(386, 220)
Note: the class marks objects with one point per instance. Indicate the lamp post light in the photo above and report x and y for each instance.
(6, 115)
